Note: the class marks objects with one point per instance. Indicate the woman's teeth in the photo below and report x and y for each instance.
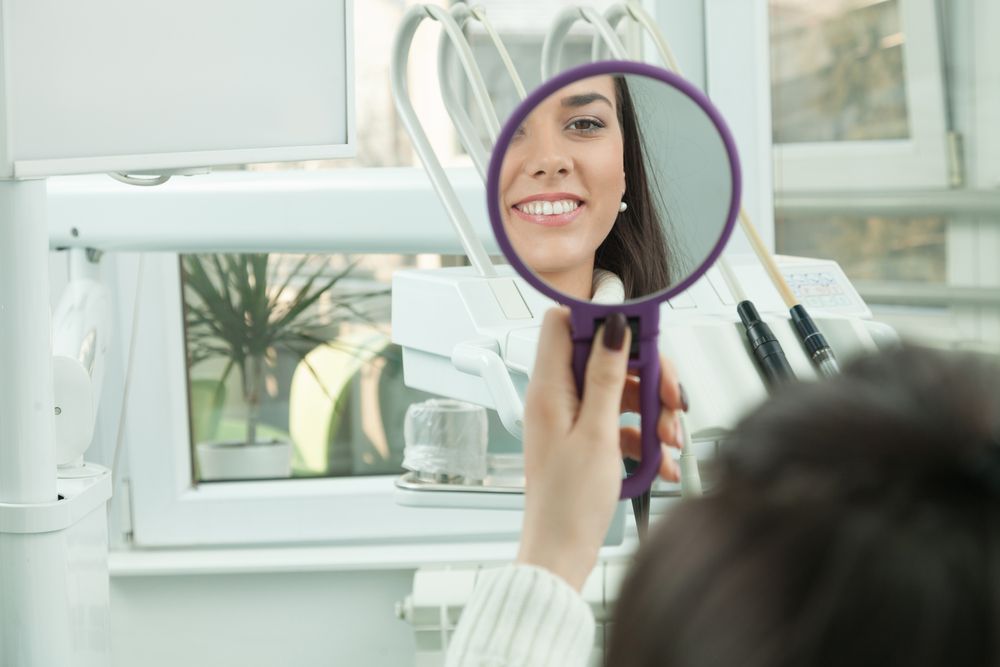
(548, 207)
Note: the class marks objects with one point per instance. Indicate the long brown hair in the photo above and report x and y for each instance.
(856, 522)
(636, 249)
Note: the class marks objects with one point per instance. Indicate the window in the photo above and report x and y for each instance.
(305, 363)
(324, 394)
(857, 95)
(862, 92)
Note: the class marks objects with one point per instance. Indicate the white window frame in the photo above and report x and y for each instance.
(918, 162)
(169, 510)
(327, 211)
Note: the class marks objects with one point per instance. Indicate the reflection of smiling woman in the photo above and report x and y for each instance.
(575, 198)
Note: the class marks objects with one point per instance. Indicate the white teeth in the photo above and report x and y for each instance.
(549, 207)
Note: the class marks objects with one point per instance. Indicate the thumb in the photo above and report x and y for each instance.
(604, 380)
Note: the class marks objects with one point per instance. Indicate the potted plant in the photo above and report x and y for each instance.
(237, 311)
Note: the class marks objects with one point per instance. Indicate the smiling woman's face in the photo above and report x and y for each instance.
(562, 181)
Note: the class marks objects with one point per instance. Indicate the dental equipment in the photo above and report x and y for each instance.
(811, 338)
(556, 36)
(401, 95)
(467, 134)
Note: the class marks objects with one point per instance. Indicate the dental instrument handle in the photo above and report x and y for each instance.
(820, 352)
(766, 348)
(644, 357)
(815, 343)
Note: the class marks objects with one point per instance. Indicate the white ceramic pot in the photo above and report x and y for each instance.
(238, 460)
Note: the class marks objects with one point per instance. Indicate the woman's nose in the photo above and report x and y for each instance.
(547, 159)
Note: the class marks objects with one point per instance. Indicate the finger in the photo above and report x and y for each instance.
(670, 470)
(631, 444)
(605, 375)
(630, 395)
(671, 394)
(667, 428)
(552, 389)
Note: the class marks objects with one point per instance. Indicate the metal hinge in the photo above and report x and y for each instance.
(956, 159)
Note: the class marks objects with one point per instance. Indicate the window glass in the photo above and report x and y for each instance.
(870, 248)
(837, 71)
(290, 361)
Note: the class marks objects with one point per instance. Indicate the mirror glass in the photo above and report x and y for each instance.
(617, 187)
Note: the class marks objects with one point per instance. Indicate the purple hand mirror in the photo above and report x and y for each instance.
(612, 188)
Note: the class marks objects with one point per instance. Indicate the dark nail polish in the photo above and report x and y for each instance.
(684, 397)
(614, 331)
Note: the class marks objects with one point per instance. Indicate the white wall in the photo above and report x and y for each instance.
(299, 619)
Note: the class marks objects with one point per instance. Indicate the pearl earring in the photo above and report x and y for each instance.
(622, 207)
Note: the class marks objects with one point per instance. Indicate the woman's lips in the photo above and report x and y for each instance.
(551, 220)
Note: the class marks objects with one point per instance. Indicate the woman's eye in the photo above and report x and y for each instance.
(586, 125)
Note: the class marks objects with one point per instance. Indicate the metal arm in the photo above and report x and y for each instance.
(400, 92)
(552, 47)
(614, 16)
(462, 13)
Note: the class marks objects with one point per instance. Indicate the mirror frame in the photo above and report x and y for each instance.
(588, 309)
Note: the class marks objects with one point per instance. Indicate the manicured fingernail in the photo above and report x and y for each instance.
(684, 397)
(614, 331)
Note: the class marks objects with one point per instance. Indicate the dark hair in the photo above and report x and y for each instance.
(856, 522)
(636, 249)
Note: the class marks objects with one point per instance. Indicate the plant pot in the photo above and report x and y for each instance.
(238, 460)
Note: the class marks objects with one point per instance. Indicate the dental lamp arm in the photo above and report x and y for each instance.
(400, 92)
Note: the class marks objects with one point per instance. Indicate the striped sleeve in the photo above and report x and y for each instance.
(522, 616)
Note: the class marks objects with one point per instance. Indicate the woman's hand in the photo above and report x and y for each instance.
(573, 447)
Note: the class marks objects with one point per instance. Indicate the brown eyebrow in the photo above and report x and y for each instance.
(583, 100)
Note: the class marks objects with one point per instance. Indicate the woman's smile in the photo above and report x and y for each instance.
(551, 209)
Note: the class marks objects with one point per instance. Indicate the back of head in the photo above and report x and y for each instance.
(856, 522)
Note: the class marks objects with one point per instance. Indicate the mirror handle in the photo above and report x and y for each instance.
(648, 366)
